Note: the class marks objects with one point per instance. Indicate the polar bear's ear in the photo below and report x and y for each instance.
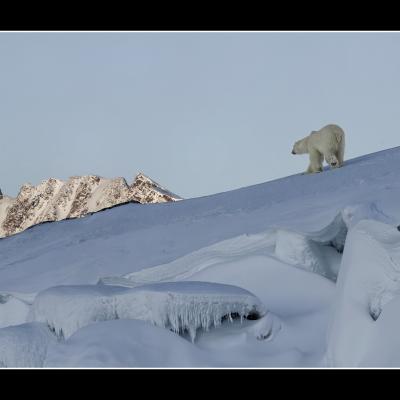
(313, 132)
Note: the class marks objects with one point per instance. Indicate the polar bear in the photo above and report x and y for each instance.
(326, 143)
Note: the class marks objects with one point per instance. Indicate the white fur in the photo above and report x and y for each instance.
(326, 143)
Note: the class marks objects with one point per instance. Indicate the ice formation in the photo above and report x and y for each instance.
(179, 306)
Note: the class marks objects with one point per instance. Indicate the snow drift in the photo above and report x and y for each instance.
(365, 320)
(318, 251)
(124, 344)
(14, 308)
(180, 306)
(24, 345)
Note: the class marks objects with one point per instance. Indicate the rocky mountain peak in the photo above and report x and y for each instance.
(146, 190)
(55, 200)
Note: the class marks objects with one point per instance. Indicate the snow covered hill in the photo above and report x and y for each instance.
(55, 200)
(297, 272)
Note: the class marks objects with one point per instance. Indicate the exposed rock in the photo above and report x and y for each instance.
(55, 200)
(145, 190)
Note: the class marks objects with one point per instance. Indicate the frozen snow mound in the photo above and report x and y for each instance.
(365, 329)
(320, 251)
(124, 344)
(25, 345)
(179, 306)
(14, 308)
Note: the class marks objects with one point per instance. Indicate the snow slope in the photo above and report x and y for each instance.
(292, 243)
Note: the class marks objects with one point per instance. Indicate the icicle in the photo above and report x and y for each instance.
(169, 305)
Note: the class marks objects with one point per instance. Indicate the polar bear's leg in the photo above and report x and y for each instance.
(316, 159)
(319, 161)
(340, 155)
(331, 157)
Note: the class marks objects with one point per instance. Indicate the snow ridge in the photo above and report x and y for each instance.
(317, 251)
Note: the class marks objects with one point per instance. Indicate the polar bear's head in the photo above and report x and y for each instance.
(332, 161)
(300, 147)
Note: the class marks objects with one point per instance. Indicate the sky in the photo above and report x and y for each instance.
(199, 112)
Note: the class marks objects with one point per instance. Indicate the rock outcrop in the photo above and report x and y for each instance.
(55, 200)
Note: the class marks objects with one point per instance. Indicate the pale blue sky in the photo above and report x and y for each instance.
(200, 112)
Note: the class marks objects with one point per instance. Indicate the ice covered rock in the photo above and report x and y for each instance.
(179, 306)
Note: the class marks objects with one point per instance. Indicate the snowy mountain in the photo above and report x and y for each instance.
(55, 200)
(297, 272)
